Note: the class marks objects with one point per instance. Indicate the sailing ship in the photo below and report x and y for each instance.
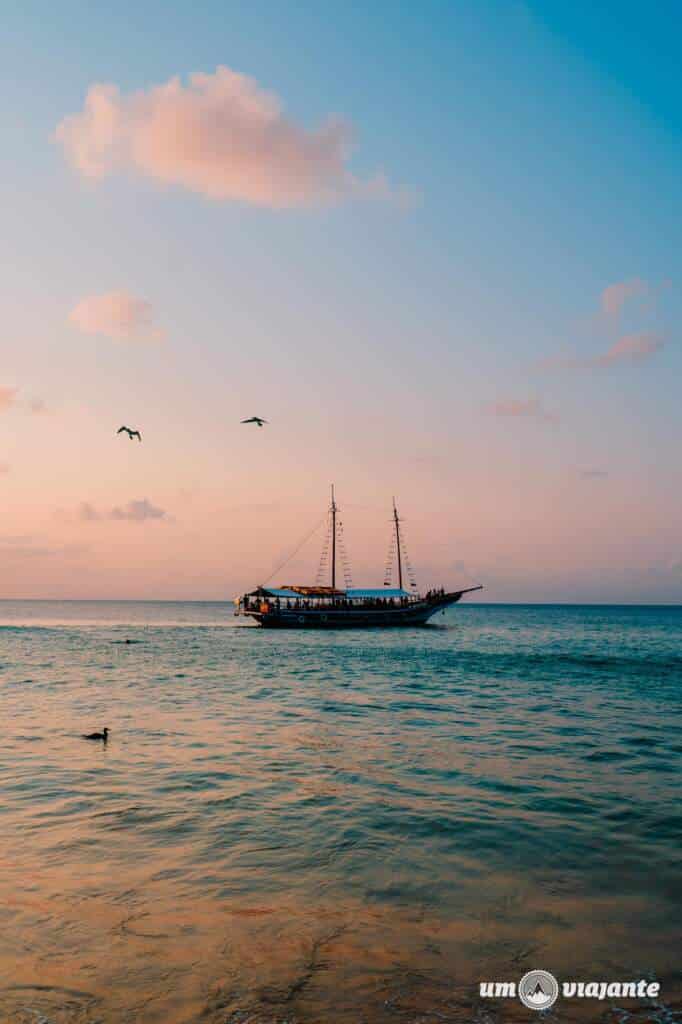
(329, 606)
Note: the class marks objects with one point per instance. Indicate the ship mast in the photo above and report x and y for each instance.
(398, 545)
(334, 555)
(333, 511)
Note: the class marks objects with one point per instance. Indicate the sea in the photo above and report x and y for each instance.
(352, 827)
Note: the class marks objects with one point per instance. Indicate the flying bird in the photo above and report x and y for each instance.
(103, 735)
(255, 419)
(131, 433)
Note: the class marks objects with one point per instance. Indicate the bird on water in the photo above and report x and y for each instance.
(131, 433)
(103, 735)
(255, 419)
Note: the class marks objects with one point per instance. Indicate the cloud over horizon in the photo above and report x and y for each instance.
(138, 511)
(220, 135)
(88, 513)
(118, 315)
(134, 512)
(16, 548)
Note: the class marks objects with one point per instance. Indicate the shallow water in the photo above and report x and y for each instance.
(335, 827)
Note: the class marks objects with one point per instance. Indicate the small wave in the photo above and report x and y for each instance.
(605, 756)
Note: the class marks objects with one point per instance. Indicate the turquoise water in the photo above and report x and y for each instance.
(321, 827)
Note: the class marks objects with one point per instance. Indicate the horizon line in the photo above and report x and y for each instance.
(230, 601)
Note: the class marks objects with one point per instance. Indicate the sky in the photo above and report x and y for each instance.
(436, 246)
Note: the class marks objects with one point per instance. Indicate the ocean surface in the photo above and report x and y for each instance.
(317, 828)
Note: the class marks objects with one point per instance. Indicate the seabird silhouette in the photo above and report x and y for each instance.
(103, 735)
(131, 433)
(255, 419)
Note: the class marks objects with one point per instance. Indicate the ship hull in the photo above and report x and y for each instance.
(361, 618)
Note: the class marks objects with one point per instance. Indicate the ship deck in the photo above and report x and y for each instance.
(301, 608)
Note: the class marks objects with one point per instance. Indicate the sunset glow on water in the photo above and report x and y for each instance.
(333, 827)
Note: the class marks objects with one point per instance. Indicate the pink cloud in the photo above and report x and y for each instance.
(616, 295)
(117, 315)
(220, 135)
(530, 408)
(631, 348)
(8, 397)
(4, 468)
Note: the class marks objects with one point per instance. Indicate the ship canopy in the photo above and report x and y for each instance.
(282, 592)
(378, 592)
(353, 593)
